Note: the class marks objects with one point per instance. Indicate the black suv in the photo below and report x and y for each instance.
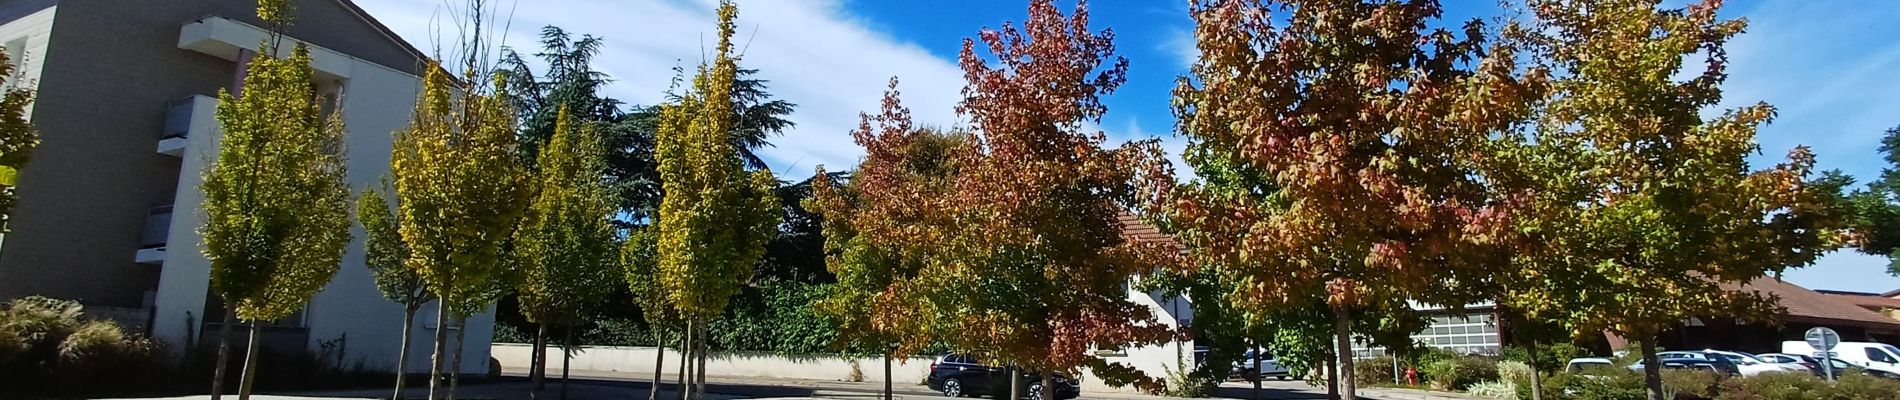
(958, 375)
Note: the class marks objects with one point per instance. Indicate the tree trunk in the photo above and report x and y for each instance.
(567, 357)
(1652, 367)
(700, 378)
(224, 354)
(1048, 386)
(1258, 374)
(686, 359)
(402, 356)
(1537, 381)
(1015, 383)
(250, 363)
(441, 350)
(1342, 327)
(455, 378)
(659, 361)
(538, 361)
(1331, 369)
(887, 376)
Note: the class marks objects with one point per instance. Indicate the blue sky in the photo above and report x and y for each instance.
(1829, 65)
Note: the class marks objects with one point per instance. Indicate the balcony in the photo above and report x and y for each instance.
(184, 118)
(158, 225)
(230, 39)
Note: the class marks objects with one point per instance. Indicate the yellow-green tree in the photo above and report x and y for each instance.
(17, 136)
(565, 247)
(386, 257)
(460, 192)
(1650, 194)
(715, 218)
(639, 259)
(276, 210)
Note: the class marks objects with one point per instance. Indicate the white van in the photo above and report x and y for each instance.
(1873, 356)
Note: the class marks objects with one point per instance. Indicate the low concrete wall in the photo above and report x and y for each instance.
(764, 365)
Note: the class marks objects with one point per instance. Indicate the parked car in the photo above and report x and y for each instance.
(1792, 359)
(1745, 364)
(1590, 366)
(960, 375)
(1881, 357)
(1717, 365)
(1252, 367)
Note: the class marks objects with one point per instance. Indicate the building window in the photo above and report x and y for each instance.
(16, 54)
(1465, 334)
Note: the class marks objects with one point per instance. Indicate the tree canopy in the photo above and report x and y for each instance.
(276, 209)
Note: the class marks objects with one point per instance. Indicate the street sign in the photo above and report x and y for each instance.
(1823, 341)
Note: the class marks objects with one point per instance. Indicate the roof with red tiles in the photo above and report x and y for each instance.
(1814, 307)
(1868, 301)
(1134, 229)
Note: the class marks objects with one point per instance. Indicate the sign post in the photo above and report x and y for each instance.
(1823, 341)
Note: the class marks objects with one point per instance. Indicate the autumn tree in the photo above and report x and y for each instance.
(565, 247)
(1364, 122)
(1658, 202)
(890, 221)
(461, 191)
(276, 209)
(715, 217)
(1026, 256)
(17, 135)
(387, 257)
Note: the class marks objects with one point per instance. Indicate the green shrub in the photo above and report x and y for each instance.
(1498, 390)
(11, 344)
(1460, 373)
(99, 349)
(1430, 355)
(1375, 371)
(1786, 386)
(47, 347)
(41, 322)
(1691, 384)
(1549, 357)
(1513, 371)
(1864, 387)
(1182, 382)
(1553, 386)
(1618, 385)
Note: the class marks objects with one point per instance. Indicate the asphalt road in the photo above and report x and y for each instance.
(605, 385)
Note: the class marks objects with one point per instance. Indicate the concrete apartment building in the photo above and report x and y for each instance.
(109, 203)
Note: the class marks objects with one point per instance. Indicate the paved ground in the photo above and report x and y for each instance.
(602, 385)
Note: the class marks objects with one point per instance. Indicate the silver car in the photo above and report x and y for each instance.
(1252, 367)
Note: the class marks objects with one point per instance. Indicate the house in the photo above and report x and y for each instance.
(108, 206)
(1886, 304)
(1174, 311)
(1475, 328)
(1805, 309)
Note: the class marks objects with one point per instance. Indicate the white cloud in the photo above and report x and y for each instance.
(1181, 45)
(1827, 67)
(813, 51)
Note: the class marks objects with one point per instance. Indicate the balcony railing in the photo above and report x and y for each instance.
(185, 117)
(158, 225)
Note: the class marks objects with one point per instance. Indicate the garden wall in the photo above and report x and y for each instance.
(516, 356)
